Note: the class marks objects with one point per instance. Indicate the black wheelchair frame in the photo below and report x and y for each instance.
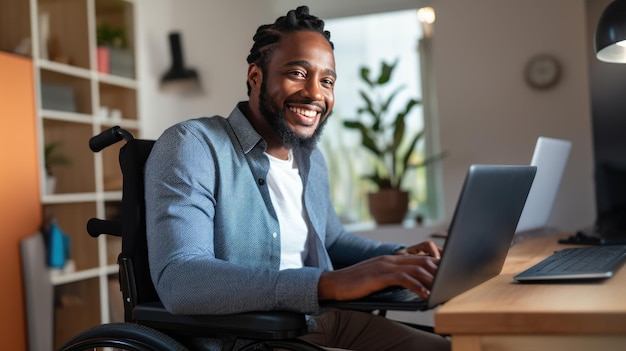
(147, 324)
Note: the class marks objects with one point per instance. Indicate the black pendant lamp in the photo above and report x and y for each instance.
(610, 38)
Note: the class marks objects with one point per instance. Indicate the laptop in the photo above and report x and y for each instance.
(550, 157)
(479, 237)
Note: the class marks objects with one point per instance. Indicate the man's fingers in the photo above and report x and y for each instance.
(424, 248)
(432, 249)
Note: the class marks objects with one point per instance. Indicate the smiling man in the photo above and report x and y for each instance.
(238, 212)
(292, 92)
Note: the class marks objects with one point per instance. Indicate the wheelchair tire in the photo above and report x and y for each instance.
(290, 345)
(122, 336)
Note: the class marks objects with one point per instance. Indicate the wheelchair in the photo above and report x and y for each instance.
(147, 325)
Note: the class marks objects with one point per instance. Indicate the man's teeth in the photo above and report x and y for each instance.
(304, 112)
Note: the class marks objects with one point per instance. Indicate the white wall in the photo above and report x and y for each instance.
(487, 113)
(216, 38)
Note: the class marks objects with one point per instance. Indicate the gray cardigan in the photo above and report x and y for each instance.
(213, 235)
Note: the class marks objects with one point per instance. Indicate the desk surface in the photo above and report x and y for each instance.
(502, 306)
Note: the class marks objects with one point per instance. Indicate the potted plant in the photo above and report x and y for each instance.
(384, 136)
(53, 158)
(112, 52)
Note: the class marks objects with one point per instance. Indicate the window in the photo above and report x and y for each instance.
(367, 41)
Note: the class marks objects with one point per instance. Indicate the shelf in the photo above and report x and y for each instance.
(81, 197)
(78, 175)
(116, 80)
(63, 30)
(77, 307)
(115, 50)
(67, 93)
(71, 219)
(77, 99)
(13, 28)
(66, 116)
(66, 278)
(63, 68)
(73, 117)
(125, 123)
(69, 198)
(117, 102)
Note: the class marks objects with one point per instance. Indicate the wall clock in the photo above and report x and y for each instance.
(542, 72)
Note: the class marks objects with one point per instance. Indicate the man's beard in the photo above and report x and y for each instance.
(276, 118)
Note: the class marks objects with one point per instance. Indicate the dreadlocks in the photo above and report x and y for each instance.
(268, 35)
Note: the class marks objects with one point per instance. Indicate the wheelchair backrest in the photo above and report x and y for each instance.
(132, 159)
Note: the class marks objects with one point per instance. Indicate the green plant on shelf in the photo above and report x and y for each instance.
(53, 157)
(113, 36)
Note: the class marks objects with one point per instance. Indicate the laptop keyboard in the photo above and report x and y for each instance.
(399, 294)
(585, 260)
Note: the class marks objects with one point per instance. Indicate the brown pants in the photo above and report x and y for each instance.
(361, 331)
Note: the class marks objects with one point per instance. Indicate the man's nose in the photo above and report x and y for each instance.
(313, 90)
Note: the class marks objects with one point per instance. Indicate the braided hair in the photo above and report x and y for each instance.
(269, 35)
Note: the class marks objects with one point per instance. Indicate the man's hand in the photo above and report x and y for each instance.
(424, 248)
(412, 271)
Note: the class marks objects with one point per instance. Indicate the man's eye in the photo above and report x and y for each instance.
(328, 82)
(297, 74)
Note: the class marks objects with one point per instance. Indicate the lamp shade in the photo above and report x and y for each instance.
(179, 77)
(610, 38)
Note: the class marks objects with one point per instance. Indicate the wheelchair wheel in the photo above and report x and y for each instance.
(282, 345)
(122, 336)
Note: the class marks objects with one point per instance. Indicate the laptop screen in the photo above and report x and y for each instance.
(550, 157)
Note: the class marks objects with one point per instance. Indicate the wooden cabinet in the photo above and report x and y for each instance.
(20, 212)
(84, 59)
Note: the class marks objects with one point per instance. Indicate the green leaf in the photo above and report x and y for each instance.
(398, 132)
(369, 106)
(427, 161)
(366, 140)
(385, 106)
(109, 35)
(365, 75)
(369, 143)
(52, 157)
(400, 124)
(407, 156)
(385, 72)
(412, 146)
(352, 124)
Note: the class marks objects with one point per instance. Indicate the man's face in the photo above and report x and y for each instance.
(297, 91)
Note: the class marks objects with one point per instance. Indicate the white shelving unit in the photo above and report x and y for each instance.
(72, 92)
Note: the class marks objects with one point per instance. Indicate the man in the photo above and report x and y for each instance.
(238, 210)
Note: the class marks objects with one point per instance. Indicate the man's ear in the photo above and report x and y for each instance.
(254, 76)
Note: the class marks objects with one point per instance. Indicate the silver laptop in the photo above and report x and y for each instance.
(550, 157)
(479, 237)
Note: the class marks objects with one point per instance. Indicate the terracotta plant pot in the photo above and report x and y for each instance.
(388, 206)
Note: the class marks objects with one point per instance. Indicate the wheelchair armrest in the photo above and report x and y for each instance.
(254, 325)
(96, 226)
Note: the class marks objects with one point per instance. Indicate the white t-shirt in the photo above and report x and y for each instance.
(285, 188)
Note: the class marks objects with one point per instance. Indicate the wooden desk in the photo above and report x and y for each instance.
(501, 314)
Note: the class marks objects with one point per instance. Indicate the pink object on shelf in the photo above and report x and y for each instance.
(103, 59)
